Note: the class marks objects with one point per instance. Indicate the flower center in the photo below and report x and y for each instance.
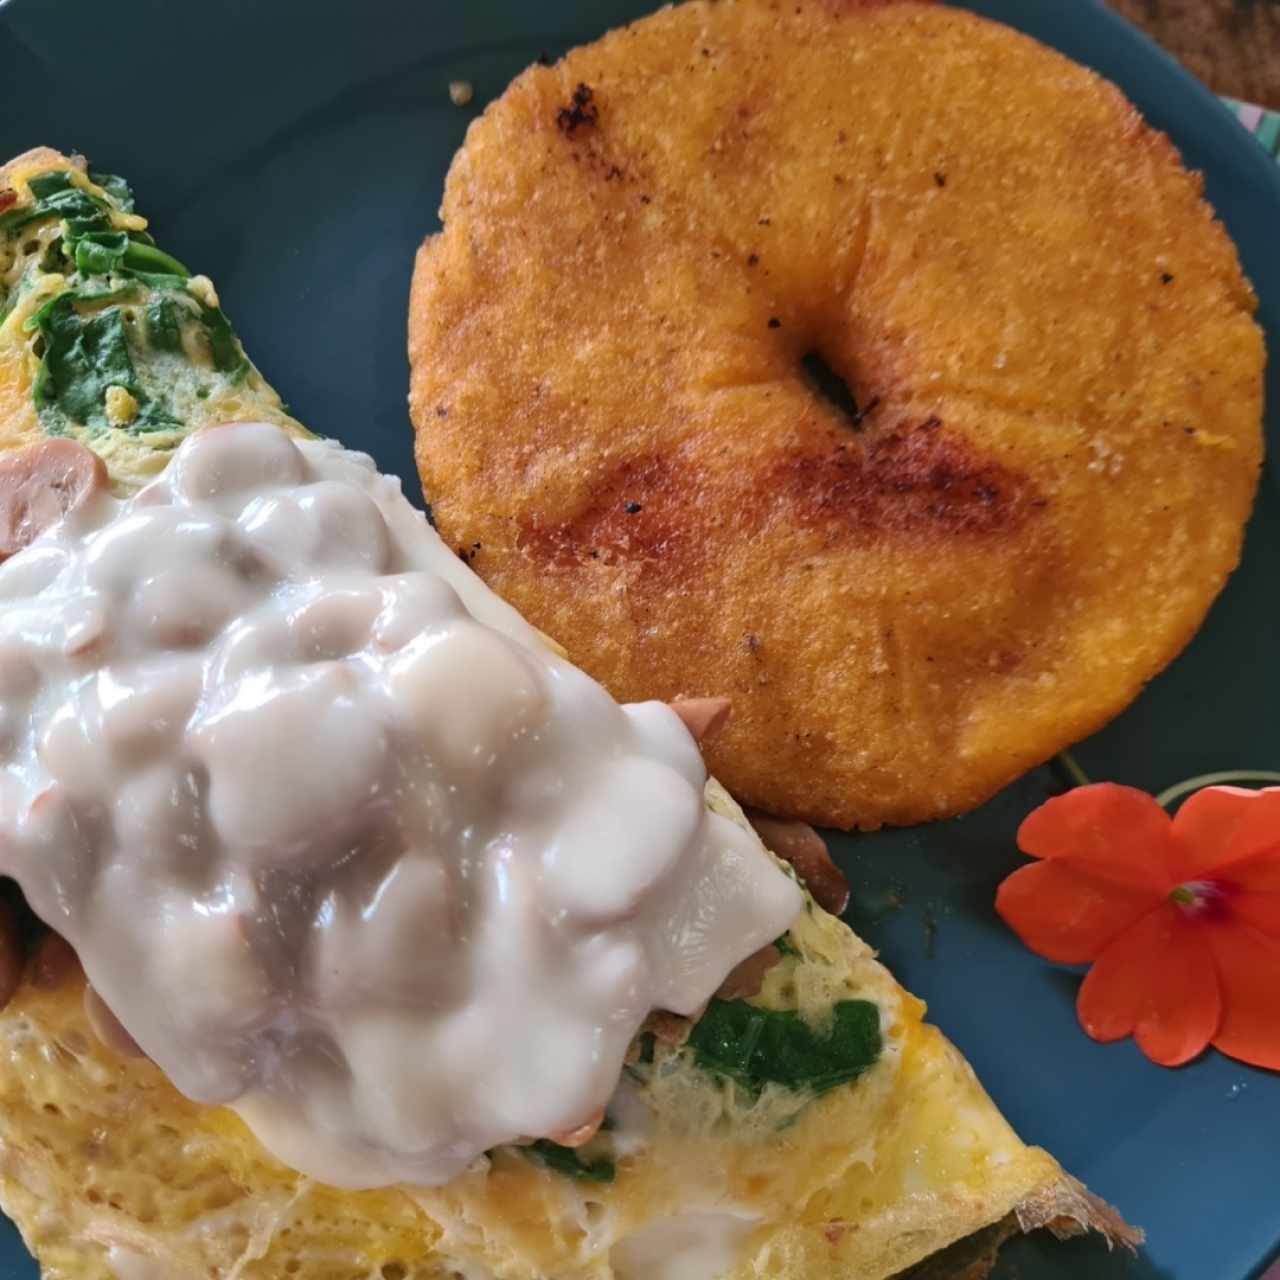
(1199, 898)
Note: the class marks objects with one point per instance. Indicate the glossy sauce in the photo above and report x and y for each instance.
(338, 840)
(130, 1265)
(691, 1246)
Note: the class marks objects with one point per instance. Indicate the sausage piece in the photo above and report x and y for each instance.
(800, 845)
(11, 954)
(40, 484)
(583, 1133)
(746, 978)
(703, 717)
(54, 963)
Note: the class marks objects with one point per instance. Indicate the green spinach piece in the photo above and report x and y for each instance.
(142, 257)
(99, 253)
(163, 330)
(567, 1161)
(228, 355)
(77, 227)
(82, 358)
(67, 200)
(55, 196)
(756, 1047)
(52, 183)
(157, 279)
(153, 415)
(74, 297)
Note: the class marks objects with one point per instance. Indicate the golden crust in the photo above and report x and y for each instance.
(1047, 331)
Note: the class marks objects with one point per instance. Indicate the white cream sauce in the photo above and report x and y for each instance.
(691, 1246)
(337, 839)
(129, 1265)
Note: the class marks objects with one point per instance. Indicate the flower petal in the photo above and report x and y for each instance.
(1249, 902)
(1065, 915)
(1116, 833)
(1249, 970)
(1218, 827)
(1157, 980)
(1257, 875)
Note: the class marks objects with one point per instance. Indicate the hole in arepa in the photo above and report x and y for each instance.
(832, 388)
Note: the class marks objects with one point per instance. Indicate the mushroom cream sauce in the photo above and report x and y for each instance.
(338, 840)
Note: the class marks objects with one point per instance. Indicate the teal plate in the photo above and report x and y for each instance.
(295, 150)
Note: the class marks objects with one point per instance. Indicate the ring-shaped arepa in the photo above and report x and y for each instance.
(1047, 335)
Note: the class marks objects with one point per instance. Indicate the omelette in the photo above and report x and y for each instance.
(807, 1124)
(868, 363)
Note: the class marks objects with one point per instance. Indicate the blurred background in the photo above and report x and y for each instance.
(1232, 45)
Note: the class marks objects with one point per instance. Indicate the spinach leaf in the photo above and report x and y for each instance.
(142, 257)
(13, 220)
(163, 331)
(75, 203)
(98, 253)
(85, 354)
(154, 415)
(82, 358)
(228, 356)
(77, 227)
(156, 279)
(55, 195)
(567, 1161)
(99, 250)
(53, 183)
(76, 296)
(117, 188)
(54, 259)
(756, 1047)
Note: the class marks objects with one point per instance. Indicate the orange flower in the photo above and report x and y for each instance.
(1179, 916)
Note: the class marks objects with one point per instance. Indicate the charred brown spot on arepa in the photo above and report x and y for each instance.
(640, 512)
(913, 482)
(580, 112)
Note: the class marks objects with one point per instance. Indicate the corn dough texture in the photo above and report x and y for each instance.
(1047, 335)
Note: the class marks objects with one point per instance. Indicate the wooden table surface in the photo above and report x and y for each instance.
(1232, 45)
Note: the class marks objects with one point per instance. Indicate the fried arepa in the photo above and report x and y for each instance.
(1055, 435)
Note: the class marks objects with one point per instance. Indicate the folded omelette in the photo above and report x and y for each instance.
(816, 1129)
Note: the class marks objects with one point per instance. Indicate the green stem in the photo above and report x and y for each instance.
(146, 257)
(1180, 789)
(1073, 771)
